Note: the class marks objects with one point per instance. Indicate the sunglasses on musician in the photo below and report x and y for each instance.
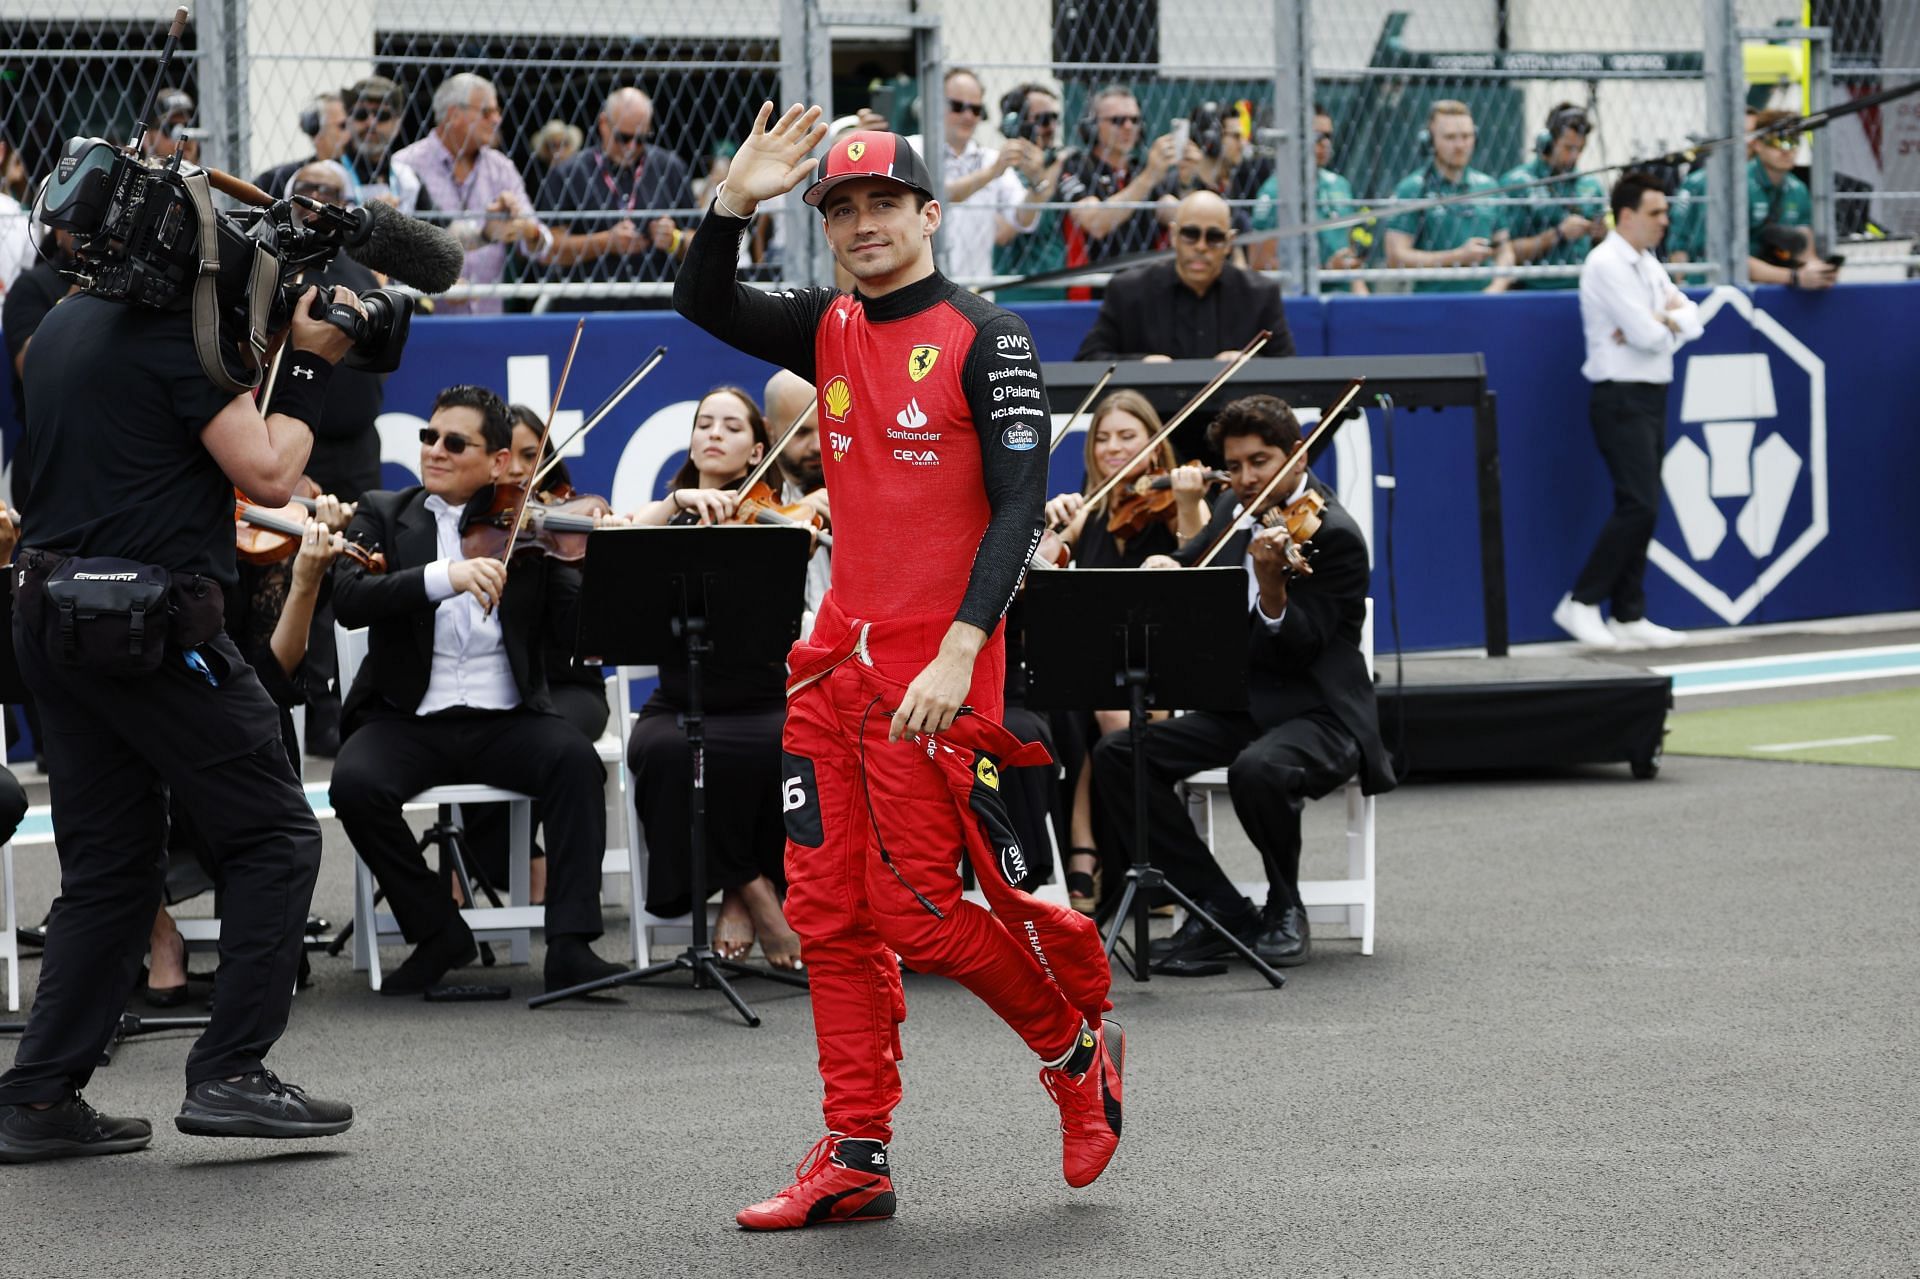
(1214, 236)
(455, 444)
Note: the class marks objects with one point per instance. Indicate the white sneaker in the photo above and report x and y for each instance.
(1583, 622)
(1645, 634)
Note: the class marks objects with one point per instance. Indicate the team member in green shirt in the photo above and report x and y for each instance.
(1332, 198)
(1471, 233)
(1779, 215)
(1561, 233)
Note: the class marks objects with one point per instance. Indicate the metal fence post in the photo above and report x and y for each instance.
(796, 85)
(1296, 175)
(1820, 87)
(1727, 166)
(221, 65)
(933, 123)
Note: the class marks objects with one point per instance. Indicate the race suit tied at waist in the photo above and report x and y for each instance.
(112, 615)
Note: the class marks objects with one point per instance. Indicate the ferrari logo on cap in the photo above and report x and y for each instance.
(920, 361)
(855, 150)
(989, 775)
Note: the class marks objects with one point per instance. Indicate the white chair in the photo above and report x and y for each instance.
(628, 857)
(10, 941)
(1329, 902)
(512, 924)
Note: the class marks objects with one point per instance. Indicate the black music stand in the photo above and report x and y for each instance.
(1174, 639)
(671, 597)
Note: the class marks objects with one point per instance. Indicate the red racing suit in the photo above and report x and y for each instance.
(933, 417)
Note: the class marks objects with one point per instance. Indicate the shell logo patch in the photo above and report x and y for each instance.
(838, 397)
(855, 150)
(988, 774)
(920, 361)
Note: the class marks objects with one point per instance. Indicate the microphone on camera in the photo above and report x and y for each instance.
(413, 252)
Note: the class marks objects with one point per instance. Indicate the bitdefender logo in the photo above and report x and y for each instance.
(1763, 464)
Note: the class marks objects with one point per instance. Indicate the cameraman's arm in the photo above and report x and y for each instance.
(265, 456)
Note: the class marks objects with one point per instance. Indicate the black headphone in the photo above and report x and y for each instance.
(310, 118)
(1208, 123)
(1013, 110)
(1559, 120)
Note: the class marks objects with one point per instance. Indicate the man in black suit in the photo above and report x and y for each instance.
(1310, 722)
(1199, 306)
(454, 689)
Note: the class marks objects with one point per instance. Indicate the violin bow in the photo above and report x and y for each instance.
(765, 464)
(546, 430)
(599, 415)
(1238, 362)
(1073, 421)
(1327, 418)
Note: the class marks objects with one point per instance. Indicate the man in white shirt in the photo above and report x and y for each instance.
(980, 184)
(454, 689)
(1634, 320)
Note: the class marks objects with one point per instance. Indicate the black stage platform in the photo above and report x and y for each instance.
(1499, 714)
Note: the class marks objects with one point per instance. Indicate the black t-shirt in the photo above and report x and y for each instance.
(1086, 174)
(112, 445)
(28, 302)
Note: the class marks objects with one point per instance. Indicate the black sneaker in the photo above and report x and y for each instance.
(66, 1130)
(259, 1105)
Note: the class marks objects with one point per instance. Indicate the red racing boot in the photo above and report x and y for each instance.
(1086, 1087)
(841, 1179)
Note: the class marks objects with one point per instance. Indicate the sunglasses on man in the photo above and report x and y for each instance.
(977, 109)
(1121, 121)
(320, 191)
(1213, 235)
(456, 444)
(385, 115)
(628, 139)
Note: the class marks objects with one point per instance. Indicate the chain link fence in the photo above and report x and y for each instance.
(594, 186)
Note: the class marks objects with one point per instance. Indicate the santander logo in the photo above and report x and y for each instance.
(911, 417)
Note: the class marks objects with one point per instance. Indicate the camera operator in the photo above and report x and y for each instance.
(1027, 238)
(1779, 214)
(133, 455)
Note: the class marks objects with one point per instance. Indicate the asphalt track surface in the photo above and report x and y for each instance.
(1612, 1027)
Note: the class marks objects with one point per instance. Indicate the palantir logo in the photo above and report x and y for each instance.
(1749, 471)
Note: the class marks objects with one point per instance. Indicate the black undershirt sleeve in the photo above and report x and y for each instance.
(776, 327)
(1008, 402)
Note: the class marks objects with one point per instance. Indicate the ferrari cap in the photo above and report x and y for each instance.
(869, 153)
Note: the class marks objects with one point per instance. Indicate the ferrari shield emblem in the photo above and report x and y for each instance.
(920, 362)
(855, 150)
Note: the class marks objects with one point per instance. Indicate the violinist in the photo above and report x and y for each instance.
(454, 688)
(1120, 428)
(745, 707)
(1310, 721)
(579, 692)
(132, 454)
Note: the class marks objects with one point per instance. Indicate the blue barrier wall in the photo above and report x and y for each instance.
(1808, 498)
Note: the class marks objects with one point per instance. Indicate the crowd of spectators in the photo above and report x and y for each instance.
(1033, 192)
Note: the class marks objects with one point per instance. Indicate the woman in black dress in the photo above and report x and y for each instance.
(1120, 427)
(745, 707)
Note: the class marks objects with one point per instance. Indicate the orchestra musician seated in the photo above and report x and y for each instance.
(1310, 721)
(1120, 530)
(454, 689)
(745, 708)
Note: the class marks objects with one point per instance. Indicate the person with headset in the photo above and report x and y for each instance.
(1340, 248)
(1106, 177)
(1027, 238)
(978, 181)
(1468, 234)
(1779, 214)
(324, 120)
(1217, 158)
(1560, 233)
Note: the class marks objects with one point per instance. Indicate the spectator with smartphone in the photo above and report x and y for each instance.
(1102, 181)
(1469, 234)
(979, 182)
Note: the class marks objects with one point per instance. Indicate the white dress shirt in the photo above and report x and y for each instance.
(470, 666)
(1625, 291)
(1246, 562)
(967, 228)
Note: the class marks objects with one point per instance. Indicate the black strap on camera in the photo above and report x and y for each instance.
(262, 280)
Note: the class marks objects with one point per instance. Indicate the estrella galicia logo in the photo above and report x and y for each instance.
(1020, 437)
(1759, 423)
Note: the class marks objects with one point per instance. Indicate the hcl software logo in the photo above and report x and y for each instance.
(1746, 450)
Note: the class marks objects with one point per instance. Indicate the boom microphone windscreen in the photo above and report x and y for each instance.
(411, 251)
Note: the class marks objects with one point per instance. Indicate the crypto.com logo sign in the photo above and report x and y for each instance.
(1731, 397)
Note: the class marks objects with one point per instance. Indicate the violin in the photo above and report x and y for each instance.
(1149, 500)
(271, 535)
(758, 506)
(1301, 520)
(553, 528)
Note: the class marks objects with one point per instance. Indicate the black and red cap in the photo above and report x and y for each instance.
(870, 153)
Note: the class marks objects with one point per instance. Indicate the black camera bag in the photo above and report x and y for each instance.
(109, 615)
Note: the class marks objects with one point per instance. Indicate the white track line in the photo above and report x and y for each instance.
(1831, 741)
